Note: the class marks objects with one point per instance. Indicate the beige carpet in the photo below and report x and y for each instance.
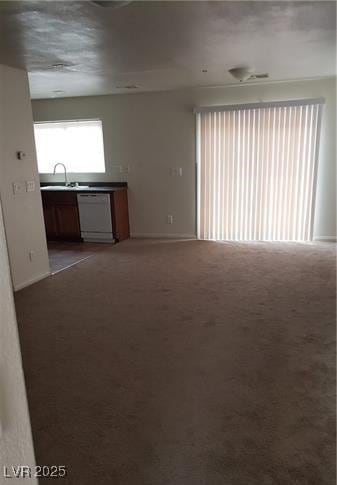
(185, 363)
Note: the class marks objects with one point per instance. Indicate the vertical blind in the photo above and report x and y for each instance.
(256, 171)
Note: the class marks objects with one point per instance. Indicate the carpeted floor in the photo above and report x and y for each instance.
(185, 363)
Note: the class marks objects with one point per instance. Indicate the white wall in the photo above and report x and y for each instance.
(16, 447)
(156, 131)
(22, 213)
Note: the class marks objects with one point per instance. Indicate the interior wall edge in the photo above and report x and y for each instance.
(16, 435)
(31, 281)
(22, 209)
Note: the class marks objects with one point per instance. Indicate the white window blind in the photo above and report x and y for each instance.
(256, 171)
(77, 144)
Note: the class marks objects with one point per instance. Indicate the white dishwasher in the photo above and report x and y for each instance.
(95, 217)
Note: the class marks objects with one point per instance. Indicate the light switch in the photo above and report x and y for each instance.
(30, 185)
(18, 188)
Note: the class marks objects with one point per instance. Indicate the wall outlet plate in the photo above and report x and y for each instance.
(18, 188)
(176, 172)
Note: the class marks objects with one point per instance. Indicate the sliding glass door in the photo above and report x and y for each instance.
(257, 169)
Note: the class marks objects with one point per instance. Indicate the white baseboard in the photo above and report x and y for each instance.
(162, 236)
(31, 281)
(325, 238)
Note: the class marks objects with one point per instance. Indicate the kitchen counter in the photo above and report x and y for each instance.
(101, 187)
(51, 188)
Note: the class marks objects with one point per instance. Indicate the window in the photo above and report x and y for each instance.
(77, 144)
(257, 169)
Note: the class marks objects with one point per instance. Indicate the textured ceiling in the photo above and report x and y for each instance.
(163, 45)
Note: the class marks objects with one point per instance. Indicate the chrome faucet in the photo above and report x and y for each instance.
(65, 172)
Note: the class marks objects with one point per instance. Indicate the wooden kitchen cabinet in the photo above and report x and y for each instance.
(62, 221)
(67, 222)
(50, 222)
(61, 216)
(120, 214)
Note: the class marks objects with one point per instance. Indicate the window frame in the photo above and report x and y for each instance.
(77, 120)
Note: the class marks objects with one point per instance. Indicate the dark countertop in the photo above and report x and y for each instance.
(84, 187)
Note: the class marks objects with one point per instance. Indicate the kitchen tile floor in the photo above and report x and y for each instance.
(62, 255)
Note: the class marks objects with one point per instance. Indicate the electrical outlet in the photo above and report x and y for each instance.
(176, 172)
(169, 219)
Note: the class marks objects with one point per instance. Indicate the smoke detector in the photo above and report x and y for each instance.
(246, 74)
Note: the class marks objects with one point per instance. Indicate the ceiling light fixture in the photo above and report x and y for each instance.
(246, 74)
(111, 4)
(59, 65)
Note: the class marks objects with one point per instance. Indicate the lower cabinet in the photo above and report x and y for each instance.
(67, 222)
(62, 221)
(120, 214)
(61, 216)
(50, 222)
